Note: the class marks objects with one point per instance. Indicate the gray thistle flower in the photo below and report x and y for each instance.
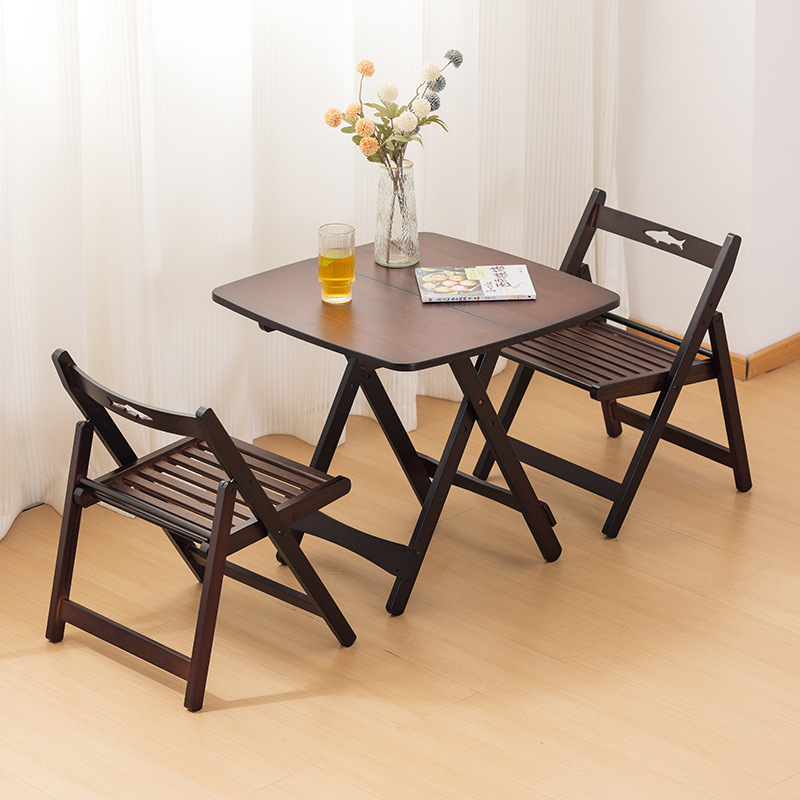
(438, 84)
(455, 57)
(433, 99)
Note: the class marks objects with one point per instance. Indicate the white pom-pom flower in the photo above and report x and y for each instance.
(406, 122)
(430, 72)
(421, 107)
(388, 93)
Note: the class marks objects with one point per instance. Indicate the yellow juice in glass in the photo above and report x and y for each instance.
(337, 272)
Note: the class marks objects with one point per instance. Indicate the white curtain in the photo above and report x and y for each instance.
(154, 149)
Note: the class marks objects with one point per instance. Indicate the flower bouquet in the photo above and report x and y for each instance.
(384, 140)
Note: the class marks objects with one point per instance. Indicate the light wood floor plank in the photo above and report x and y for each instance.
(662, 664)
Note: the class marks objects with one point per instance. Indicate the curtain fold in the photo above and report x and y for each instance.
(152, 150)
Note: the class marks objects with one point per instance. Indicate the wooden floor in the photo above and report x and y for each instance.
(662, 664)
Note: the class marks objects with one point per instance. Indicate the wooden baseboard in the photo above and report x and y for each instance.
(772, 357)
(739, 364)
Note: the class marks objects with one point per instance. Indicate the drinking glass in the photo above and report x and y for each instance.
(337, 260)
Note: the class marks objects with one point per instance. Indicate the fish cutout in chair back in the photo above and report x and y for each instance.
(665, 237)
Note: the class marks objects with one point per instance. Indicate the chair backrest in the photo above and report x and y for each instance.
(95, 401)
(718, 258)
(598, 216)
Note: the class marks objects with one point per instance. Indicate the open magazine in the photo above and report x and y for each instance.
(459, 284)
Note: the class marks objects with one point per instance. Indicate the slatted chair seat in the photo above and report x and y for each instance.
(612, 357)
(183, 480)
(604, 359)
(212, 495)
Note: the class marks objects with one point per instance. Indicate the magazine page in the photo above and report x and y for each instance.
(460, 284)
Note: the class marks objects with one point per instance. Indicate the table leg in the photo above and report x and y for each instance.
(475, 406)
(432, 506)
(473, 384)
(359, 376)
(406, 454)
(337, 416)
(432, 491)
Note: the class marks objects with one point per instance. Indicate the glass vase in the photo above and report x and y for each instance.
(396, 239)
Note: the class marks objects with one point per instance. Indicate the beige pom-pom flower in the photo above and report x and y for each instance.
(368, 146)
(365, 67)
(365, 127)
(333, 117)
(352, 112)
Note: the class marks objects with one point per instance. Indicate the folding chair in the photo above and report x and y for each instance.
(612, 362)
(211, 494)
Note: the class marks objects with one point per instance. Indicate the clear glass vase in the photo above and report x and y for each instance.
(396, 239)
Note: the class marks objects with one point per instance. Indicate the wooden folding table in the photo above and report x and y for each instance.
(387, 326)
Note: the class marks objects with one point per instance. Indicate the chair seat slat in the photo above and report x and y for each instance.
(603, 355)
(183, 475)
(617, 347)
(149, 493)
(594, 360)
(181, 481)
(269, 467)
(167, 516)
(627, 347)
(304, 475)
(206, 468)
(279, 484)
(596, 353)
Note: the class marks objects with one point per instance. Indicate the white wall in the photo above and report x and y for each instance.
(706, 123)
(774, 274)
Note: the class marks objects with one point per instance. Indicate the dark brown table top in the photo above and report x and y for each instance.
(387, 325)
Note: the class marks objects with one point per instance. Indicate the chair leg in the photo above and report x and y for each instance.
(613, 425)
(730, 404)
(508, 410)
(293, 556)
(655, 428)
(641, 458)
(209, 599)
(70, 526)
